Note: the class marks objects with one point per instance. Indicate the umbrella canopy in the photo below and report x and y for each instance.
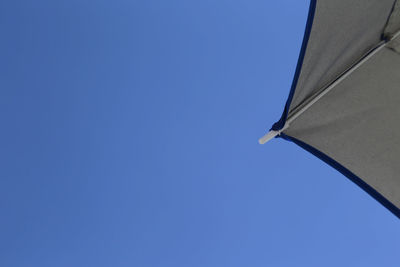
(344, 104)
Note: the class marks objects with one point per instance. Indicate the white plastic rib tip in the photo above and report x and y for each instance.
(268, 136)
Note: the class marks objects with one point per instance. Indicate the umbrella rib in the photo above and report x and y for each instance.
(301, 109)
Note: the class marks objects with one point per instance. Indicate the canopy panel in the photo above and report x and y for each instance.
(343, 31)
(355, 126)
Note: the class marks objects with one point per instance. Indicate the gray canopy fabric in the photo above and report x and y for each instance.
(344, 105)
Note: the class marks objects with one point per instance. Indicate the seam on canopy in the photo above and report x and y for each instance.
(386, 33)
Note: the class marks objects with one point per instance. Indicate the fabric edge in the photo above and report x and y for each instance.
(310, 19)
(346, 172)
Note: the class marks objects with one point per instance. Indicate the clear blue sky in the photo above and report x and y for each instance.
(129, 138)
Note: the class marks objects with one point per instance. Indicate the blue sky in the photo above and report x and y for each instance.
(129, 138)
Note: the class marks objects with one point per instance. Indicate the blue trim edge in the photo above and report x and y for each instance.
(281, 123)
(351, 176)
